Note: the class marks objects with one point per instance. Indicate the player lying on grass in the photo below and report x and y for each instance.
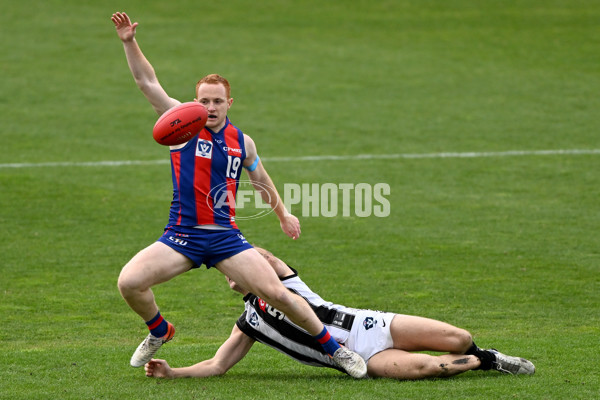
(387, 341)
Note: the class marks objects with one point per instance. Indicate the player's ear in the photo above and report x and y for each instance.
(229, 102)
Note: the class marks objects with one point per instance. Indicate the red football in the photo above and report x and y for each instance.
(180, 123)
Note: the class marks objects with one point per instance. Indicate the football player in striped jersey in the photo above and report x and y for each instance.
(389, 342)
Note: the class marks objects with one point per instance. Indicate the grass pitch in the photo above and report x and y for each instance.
(504, 246)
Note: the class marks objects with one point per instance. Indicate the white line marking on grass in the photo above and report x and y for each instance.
(438, 155)
(85, 164)
(512, 153)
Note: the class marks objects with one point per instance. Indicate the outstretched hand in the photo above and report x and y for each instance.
(290, 226)
(156, 368)
(125, 29)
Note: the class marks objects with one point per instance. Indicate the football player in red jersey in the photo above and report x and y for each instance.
(199, 232)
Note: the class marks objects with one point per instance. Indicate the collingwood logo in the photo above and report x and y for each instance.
(253, 319)
(369, 323)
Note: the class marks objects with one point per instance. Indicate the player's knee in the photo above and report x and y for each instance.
(127, 283)
(280, 297)
(462, 340)
(277, 296)
(123, 284)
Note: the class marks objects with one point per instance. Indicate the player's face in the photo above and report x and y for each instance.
(214, 98)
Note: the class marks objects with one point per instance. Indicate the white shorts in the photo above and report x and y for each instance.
(370, 333)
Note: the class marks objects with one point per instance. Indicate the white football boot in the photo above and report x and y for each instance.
(351, 362)
(146, 350)
(512, 365)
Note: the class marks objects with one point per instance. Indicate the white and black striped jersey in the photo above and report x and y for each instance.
(267, 325)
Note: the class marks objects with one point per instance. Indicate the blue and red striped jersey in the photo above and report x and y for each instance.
(206, 174)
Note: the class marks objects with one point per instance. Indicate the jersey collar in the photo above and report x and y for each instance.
(222, 130)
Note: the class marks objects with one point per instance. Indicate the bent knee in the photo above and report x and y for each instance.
(128, 282)
(124, 284)
(463, 340)
(277, 296)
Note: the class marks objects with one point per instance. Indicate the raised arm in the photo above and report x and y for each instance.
(264, 185)
(140, 67)
(230, 353)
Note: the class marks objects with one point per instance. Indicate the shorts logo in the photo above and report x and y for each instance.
(242, 238)
(178, 241)
(204, 149)
(369, 323)
(253, 319)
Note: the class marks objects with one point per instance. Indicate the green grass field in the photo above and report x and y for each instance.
(502, 244)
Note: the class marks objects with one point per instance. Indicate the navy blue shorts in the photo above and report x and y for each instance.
(205, 246)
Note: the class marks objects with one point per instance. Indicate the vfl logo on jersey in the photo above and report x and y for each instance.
(204, 148)
(369, 323)
(253, 320)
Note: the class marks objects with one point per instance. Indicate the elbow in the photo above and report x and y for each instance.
(216, 368)
(219, 371)
(143, 85)
(145, 82)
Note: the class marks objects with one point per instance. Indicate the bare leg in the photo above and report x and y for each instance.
(399, 364)
(251, 271)
(411, 333)
(155, 264)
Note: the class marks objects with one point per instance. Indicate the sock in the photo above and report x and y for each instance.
(329, 344)
(158, 325)
(485, 356)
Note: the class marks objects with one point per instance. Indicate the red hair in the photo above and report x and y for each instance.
(215, 79)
